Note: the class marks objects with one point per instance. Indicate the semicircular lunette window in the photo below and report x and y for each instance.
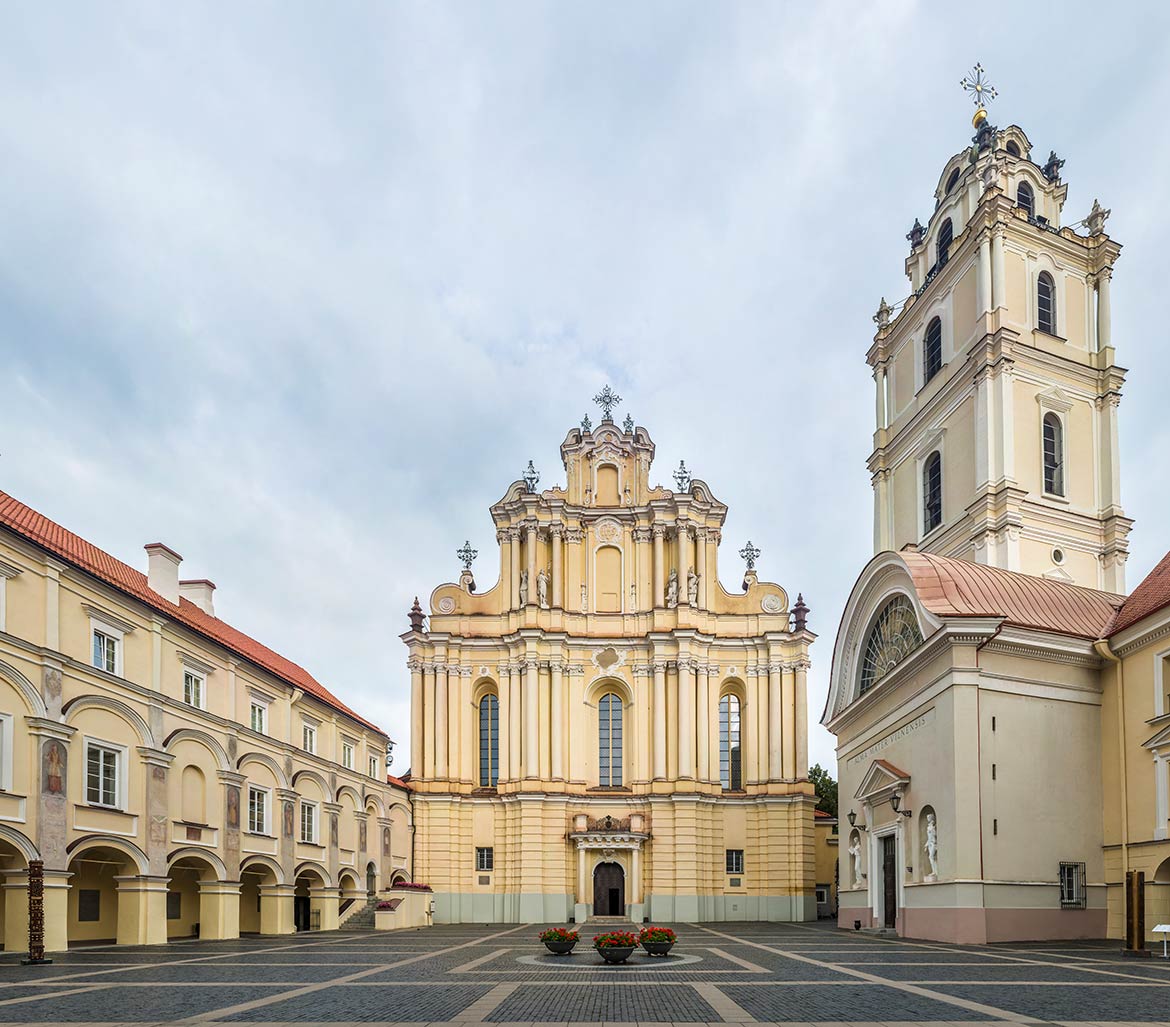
(894, 636)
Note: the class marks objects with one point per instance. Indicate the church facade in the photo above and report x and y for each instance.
(606, 730)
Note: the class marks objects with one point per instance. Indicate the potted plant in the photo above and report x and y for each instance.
(657, 941)
(616, 946)
(559, 940)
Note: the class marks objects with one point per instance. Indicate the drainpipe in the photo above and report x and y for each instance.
(1105, 652)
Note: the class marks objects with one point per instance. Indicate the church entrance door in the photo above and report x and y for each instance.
(609, 890)
(890, 880)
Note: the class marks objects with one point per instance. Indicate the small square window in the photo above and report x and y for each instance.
(193, 689)
(484, 858)
(735, 861)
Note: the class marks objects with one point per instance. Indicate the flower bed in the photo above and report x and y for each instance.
(657, 941)
(559, 940)
(615, 946)
(410, 886)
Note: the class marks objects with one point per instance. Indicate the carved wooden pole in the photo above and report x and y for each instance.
(36, 914)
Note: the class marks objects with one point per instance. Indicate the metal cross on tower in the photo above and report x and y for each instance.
(607, 399)
(682, 477)
(750, 554)
(467, 555)
(982, 92)
(531, 477)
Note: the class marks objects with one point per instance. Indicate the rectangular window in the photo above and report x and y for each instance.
(308, 822)
(192, 689)
(373, 766)
(105, 652)
(484, 858)
(258, 811)
(735, 861)
(174, 905)
(309, 738)
(822, 895)
(259, 717)
(1072, 886)
(101, 775)
(346, 755)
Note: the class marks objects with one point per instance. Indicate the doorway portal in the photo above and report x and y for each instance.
(890, 880)
(609, 890)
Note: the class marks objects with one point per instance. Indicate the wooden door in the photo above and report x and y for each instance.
(890, 879)
(609, 890)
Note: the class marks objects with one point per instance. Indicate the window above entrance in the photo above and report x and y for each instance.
(894, 635)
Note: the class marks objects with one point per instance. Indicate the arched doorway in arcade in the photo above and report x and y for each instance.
(305, 917)
(14, 900)
(371, 880)
(609, 890)
(253, 878)
(93, 896)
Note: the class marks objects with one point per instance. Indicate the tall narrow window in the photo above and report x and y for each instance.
(945, 234)
(1013, 148)
(931, 493)
(489, 741)
(309, 737)
(1053, 455)
(257, 810)
(105, 652)
(1024, 199)
(730, 761)
(102, 786)
(609, 742)
(308, 822)
(192, 689)
(953, 178)
(1046, 303)
(932, 350)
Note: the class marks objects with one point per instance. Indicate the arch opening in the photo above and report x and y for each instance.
(609, 889)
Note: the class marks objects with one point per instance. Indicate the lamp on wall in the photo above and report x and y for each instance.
(896, 801)
(853, 821)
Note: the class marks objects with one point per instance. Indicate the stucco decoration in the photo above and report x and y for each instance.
(772, 604)
(930, 846)
(445, 605)
(855, 854)
(608, 530)
(672, 589)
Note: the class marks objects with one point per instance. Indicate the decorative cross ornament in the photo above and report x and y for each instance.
(982, 92)
(586, 424)
(607, 399)
(467, 555)
(682, 477)
(750, 554)
(628, 425)
(531, 477)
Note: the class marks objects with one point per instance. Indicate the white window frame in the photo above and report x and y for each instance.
(7, 722)
(316, 823)
(934, 442)
(1053, 401)
(266, 825)
(7, 571)
(485, 859)
(309, 736)
(113, 628)
(373, 762)
(200, 681)
(348, 748)
(120, 771)
(110, 635)
(255, 705)
(727, 858)
(1160, 682)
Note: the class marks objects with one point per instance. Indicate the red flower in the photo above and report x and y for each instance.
(657, 934)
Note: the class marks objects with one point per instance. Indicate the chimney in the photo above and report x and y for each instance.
(162, 573)
(199, 592)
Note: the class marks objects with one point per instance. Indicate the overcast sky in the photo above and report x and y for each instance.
(299, 289)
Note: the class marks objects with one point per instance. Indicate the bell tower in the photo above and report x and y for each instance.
(996, 382)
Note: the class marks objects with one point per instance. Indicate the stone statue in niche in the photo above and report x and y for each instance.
(931, 846)
(692, 587)
(855, 853)
(53, 759)
(542, 588)
(524, 588)
(672, 589)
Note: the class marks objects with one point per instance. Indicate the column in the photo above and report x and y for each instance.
(556, 705)
(466, 763)
(428, 748)
(505, 562)
(276, 909)
(983, 277)
(326, 901)
(881, 533)
(219, 910)
(879, 398)
(659, 714)
(441, 714)
(142, 909)
(454, 724)
(583, 897)
(682, 538)
(554, 541)
(775, 769)
(750, 729)
(1104, 313)
(763, 720)
(703, 706)
(514, 743)
(998, 284)
(701, 565)
(659, 568)
(416, 712)
(503, 771)
(531, 725)
(530, 546)
(514, 546)
(635, 875)
(686, 720)
(788, 706)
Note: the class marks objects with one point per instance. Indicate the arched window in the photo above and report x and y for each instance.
(730, 759)
(932, 350)
(1025, 199)
(945, 234)
(1053, 455)
(489, 741)
(952, 179)
(931, 493)
(1046, 303)
(609, 742)
(893, 636)
(1013, 148)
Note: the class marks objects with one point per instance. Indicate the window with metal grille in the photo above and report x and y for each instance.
(895, 634)
(945, 234)
(730, 760)
(1072, 886)
(485, 858)
(1025, 199)
(1053, 455)
(609, 747)
(101, 775)
(932, 350)
(931, 493)
(1046, 303)
(489, 741)
(735, 861)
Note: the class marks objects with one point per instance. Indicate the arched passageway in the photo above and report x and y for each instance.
(266, 903)
(609, 890)
(200, 903)
(315, 901)
(13, 900)
(95, 894)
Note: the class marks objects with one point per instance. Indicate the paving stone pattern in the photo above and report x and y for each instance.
(771, 973)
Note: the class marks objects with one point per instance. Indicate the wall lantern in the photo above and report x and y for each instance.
(895, 802)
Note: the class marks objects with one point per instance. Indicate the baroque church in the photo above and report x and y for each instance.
(606, 731)
(1002, 725)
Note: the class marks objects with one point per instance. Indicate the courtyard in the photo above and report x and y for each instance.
(718, 973)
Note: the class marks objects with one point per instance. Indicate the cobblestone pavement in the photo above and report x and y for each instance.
(499, 974)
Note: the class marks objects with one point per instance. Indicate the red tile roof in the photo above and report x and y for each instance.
(959, 588)
(398, 781)
(1152, 595)
(38, 529)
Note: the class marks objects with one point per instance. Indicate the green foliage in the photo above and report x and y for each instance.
(826, 788)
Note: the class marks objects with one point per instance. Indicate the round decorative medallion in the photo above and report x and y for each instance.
(608, 531)
(445, 605)
(772, 604)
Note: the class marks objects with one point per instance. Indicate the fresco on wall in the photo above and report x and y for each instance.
(288, 820)
(385, 841)
(233, 808)
(53, 763)
(362, 835)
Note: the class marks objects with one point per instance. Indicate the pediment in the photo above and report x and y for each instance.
(1055, 399)
(881, 780)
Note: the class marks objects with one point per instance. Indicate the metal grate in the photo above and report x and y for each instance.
(1072, 886)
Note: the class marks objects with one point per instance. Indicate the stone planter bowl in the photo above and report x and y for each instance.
(658, 948)
(616, 954)
(560, 948)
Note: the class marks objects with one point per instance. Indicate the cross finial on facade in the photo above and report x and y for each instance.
(586, 424)
(982, 92)
(628, 425)
(531, 477)
(682, 477)
(607, 399)
(750, 554)
(467, 555)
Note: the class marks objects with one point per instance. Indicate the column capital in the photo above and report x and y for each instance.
(574, 535)
(642, 535)
(155, 757)
(42, 728)
(556, 529)
(658, 530)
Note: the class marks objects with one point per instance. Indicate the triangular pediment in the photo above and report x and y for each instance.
(881, 780)
(1161, 740)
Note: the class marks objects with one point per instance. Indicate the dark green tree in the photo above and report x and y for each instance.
(826, 789)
